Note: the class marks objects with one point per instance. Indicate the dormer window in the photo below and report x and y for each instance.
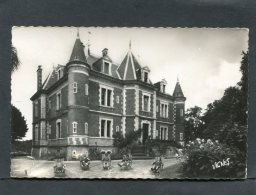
(163, 86)
(59, 74)
(106, 67)
(145, 74)
(145, 77)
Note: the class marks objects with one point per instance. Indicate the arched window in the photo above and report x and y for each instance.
(86, 128)
(74, 124)
(75, 87)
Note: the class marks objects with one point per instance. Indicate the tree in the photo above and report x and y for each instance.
(15, 62)
(228, 116)
(18, 124)
(193, 123)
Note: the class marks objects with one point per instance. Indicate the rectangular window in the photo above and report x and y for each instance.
(146, 77)
(163, 88)
(58, 130)
(164, 110)
(117, 99)
(117, 128)
(58, 101)
(41, 132)
(86, 89)
(108, 128)
(106, 68)
(181, 112)
(86, 128)
(105, 129)
(103, 96)
(106, 97)
(181, 136)
(163, 134)
(74, 124)
(102, 130)
(75, 87)
(59, 73)
(157, 108)
(109, 97)
(146, 106)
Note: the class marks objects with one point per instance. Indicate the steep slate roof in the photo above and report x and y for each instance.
(128, 67)
(53, 77)
(178, 91)
(78, 51)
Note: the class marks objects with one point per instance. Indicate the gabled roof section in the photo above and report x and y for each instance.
(178, 91)
(128, 67)
(78, 51)
(53, 76)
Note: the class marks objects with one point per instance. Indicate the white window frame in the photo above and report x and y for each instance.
(85, 128)
(58, 101)
(149, 102)
(74, 87)
(86, 89)
(181, 136)
(41, 131)
(143, 76)
(165, 130)
(181, 112)
(117, 128)
(164, 112)
(106, 96)
(117, 99)
(74, 126)
(109, 68)
(105, 128)
(59, 73)
(58, 134)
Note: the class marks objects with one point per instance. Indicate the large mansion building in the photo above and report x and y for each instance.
(84, 103)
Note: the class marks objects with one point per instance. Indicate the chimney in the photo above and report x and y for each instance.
(39, 77)
(104, 52)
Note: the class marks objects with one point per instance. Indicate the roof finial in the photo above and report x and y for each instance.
(77, 34)
(177, 78)
(130, 45)
(88, 42)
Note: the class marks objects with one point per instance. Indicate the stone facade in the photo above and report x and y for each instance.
(84, 103)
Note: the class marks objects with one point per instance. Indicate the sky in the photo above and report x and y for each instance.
(206, 61)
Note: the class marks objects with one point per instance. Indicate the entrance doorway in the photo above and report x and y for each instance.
(145, 129)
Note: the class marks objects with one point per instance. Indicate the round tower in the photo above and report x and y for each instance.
(78, 109)
(179, 114)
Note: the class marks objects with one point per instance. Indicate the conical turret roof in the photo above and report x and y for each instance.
(178, 91)
(78, 51)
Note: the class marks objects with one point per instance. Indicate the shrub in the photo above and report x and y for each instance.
(211, 159)
(122, 142)
(94, 153)
(160, 146)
